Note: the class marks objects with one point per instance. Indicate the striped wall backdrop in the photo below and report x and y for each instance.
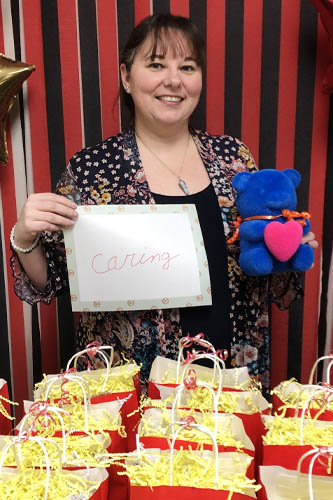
(265, 63)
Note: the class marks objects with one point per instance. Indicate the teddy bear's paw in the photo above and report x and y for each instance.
(256, 261)
(303, 258)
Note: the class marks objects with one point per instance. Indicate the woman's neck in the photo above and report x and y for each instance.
(162, 137)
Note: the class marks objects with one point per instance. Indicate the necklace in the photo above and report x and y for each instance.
(181, 182)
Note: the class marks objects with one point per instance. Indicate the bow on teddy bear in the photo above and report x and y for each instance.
(269, 229)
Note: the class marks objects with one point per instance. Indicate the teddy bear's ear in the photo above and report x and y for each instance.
(240, 181)
(293, 175)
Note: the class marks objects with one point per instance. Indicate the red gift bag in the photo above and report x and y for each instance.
(153, 417)
(117, 444)
(168, 372)
(280, 483)
(221, 460)
(130, 372)
(94, 486)
(289, 455)
(6, 419)
(251, 406)
(289, 397)
(183, 492)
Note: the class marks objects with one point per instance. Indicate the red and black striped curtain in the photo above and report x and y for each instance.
(266, 60)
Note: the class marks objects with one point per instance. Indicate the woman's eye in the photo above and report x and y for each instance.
(155, 65)
(188, 67)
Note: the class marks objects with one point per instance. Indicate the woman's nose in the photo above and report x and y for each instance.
(172, 78)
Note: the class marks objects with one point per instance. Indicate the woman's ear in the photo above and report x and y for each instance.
(124, 77)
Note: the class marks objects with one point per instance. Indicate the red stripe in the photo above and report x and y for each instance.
(40, 159)
(279, 346)
(285, 159)
(316, 203)
(70, 75)
(287, 84)
(141, 10)
(180, 8)
(215, 66)
(108, 61)
(252, 75)
(15, 312)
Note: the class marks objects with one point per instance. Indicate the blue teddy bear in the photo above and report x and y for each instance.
(270, 233)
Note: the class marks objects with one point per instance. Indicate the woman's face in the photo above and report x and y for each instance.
(165, 88)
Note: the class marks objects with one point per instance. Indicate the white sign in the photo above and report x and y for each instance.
(129, 257)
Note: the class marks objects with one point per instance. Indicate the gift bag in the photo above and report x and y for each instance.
(228, 430)
(6, 425)
(105, 384)
(96, 418)
(192, 474)
(168, 372)
(248, 405)
(40, 482)
(289, 397)
(79, 449)
(289, 438)
(283, 484)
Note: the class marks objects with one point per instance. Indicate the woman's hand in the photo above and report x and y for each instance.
(309, 239)
(43, 212)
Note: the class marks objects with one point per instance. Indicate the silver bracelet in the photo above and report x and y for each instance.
(21, 249)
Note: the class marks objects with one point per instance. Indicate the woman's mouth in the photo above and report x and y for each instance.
(170, 98)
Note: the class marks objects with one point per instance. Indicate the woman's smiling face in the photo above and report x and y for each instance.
(165, 84)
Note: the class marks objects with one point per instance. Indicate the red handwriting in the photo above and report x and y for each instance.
(101, 264)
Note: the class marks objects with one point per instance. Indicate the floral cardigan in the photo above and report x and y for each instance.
(112, 172)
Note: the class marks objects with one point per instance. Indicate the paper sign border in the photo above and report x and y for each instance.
(161, 303)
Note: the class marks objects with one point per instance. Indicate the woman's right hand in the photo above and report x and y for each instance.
(43, 212)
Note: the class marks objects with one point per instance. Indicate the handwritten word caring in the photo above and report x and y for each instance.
(102, 264)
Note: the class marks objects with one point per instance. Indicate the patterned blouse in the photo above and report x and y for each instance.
(112, 172)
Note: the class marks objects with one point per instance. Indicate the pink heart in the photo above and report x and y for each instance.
(283, 239)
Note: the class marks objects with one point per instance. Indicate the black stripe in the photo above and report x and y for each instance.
(125, 17)
(36, 346)
(270, 62)
(66, 329)
(327, 240)
(90, 72)
(302, 160)
(52, 69)
(295, 338)
(305, 98)
(55, 123)
(233, 66)
(198, 16)
(5, 368)
(161, 6)
(15, 11)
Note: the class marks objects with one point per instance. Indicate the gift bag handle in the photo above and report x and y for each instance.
(183, 425)
(81, 382)
(17, 441)
(92, 349)
(315, 365)
(217, 362)
(316, 453)
(40, 409)
(179, 392)
(324, 390)
(302, 391)
(187, 342)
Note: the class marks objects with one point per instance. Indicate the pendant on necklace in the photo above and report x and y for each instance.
(183, 187)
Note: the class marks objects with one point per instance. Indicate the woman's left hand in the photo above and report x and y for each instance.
(309, 239)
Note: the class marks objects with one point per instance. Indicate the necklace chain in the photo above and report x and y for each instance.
(181, 182)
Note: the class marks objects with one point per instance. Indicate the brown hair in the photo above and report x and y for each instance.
(162, 28)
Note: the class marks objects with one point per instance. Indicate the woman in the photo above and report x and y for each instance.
(160, 159)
